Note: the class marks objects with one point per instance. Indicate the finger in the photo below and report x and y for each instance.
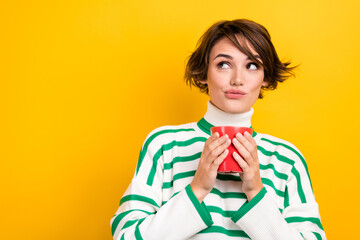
(253, 148)
(213, 137)
(208, 143)
(245, 142)
(249, 138)
(220, 159)
(217, 142)
(219, 149)
(220, 140)
(242, 163)
(209, 153)
(250, 145)
(241, 175)
(243, 151)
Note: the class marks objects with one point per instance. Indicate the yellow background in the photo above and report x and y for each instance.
(83, 82)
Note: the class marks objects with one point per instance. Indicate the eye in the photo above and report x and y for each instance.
(223, 65)
(252, 66)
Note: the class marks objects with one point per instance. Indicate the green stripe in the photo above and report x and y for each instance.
(129, 223)
(167, 147)
(219, 229)
(228, 194)
(200, 207)
(305, 219)
(286, 199)
(170, 198)
(218, 210)
(271, 184)
(119, 217)
(293, 170)
(246, 207)
(228, 214)
(149, 140)
(228, 177)
(134, 197)
(156, 157)
(170, 165)
(184, 175)
(280, 175)
(299, 186)
(137, 231)
(317, 235)
(177, 177)
(276, 154)
(205, 127)
(293, 150)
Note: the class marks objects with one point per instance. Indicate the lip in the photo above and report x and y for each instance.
(234, 94)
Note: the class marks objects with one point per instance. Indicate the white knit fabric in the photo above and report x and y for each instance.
(159, 203)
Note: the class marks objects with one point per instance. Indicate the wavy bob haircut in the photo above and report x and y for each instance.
(240, 32)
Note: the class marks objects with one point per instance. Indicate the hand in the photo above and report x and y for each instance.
(249, 163)
(214, 153)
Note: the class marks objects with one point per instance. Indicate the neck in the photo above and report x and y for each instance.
(218, 117)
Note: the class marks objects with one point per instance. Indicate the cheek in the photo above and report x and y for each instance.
(215, 82)
(257, 82)
(257, 86)
(214, 89)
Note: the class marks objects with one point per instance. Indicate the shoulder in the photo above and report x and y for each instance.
(166, 134)
(270, 144)
(284, 153)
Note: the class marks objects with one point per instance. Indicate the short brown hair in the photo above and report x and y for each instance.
(255, 34)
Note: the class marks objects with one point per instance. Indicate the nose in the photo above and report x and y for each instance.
(237, 79)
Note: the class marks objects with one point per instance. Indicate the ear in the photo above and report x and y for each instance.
(264, 84)
(203, 82)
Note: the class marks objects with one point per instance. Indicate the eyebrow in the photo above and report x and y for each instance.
(223, 55)
(230, 57)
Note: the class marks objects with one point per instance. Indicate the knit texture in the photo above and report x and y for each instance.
(159, 203)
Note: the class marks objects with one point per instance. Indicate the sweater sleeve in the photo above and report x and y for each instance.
(142, 214)
(261, 218)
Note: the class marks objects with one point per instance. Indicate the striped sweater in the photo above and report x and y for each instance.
(159, 203)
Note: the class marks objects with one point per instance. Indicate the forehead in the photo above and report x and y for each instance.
(226, 45)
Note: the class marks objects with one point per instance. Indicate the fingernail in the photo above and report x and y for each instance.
(238, 135)
(247, 134)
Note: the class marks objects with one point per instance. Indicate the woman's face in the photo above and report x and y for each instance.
(234, 81)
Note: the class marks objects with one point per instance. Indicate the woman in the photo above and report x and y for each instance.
(177, 193)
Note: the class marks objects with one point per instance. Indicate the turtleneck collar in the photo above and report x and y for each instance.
(217, 117)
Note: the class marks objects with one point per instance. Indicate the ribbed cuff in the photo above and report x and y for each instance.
(200, 207)
(248, 205)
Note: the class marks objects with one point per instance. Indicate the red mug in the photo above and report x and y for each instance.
(229, 164)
